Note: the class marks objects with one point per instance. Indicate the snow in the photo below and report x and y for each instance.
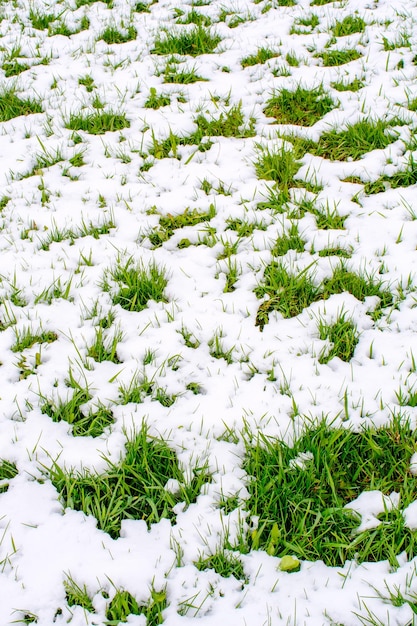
(41, 542)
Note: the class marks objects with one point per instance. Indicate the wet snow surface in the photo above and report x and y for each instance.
(53, 279)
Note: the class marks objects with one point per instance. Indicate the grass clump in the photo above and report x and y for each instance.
(355, 141)
(230, 123)
(348, 26)
(279, 165)
(301, 106)
(27, 339)
(261, 56)
(287, 293)
(76, 595)
(12, 106)
(343, 337)
(104, 348)
(193, 42)
(84, 424)
(404, 178)
(289, 241)
(299, 493)
(111, 35)
(333, 58)
(132, 488)
(355, 85)
(187, 76)
(124, 604)
(359, 286)
(155, 100)
(169, 223)
(137, 284)
(224, 562)
(8, 471)
(97, 123)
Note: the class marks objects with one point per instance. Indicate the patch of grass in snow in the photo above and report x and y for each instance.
(8, 470)
(289, 241)
(333, 58)
(169, 223)
(304, 25)
(217, 349)
(76, 595)
(81, 3)
(124, 604)
(141, 387)
(287, 293)
(335, 251)
(192, 17)
(290, 294)
(136, 283)
(87, 81)
(4, 201)
(85, 423)
(243, 228)
(181, 75)
(343, 337)
(328, 218)
(300, 106)
(348, 26)
(112, 35)
(12, 106)
(132, 488)
(104, 347)
(403, 178)
(26, 338)
(279, 164)
(41, 21)
(144, 7)
(261, 56)
(230, 123)
(300, 492)
(156, 101)
(225, 563)
(355, 85)
(97, 122)
(319, 3)
(353, 142)
(189, 41)
(190, 339)
(60, 28)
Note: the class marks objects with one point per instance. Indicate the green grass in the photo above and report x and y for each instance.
(76, 595)
(299, 493)
(155, 100)
(193, 42)
(124, 604)
(169, 223)
(104, 347)
(359, 286)
(348, 26)
(289, 241)
(343, 337)
(193, 17)
(26, 339)
(186, 76)
(333, 58)
(230, 123)
(355, 85)
(291, 293)
(111, 35)
(355, 141)
(223, 562)
(97, 123)
(41, 21)
(301, 106)
(136, 283)
(84, 424)
(141, 387)
(279, 164)
(287, 293)
(261, 56)
(131, 488)
(12, 106)
(8, 471)
(404, 178)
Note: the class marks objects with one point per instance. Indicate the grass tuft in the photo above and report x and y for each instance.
(132, 488)
(301, 106)
(137, 284)
(343, 336)
(300, 493)
(97, 123)
(12, 106)
(195, 41)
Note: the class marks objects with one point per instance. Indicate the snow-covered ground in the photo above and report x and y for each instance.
(53, 279)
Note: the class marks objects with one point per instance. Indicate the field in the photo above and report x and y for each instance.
(208, 312)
